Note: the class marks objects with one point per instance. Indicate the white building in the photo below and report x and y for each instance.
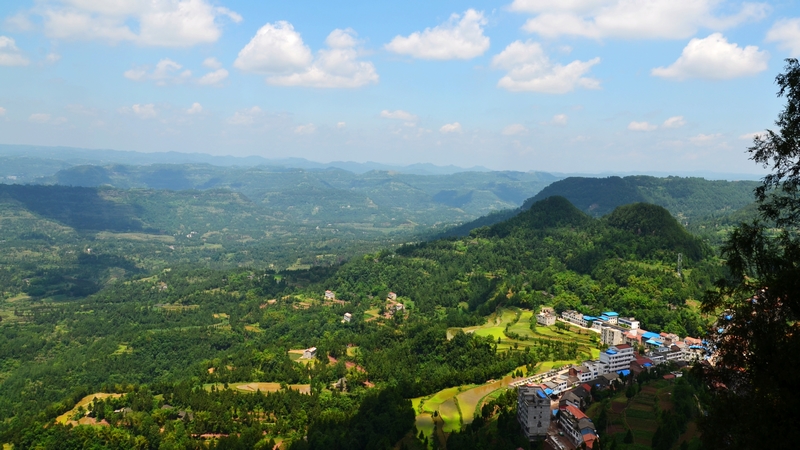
(610, 317)
(533, 412)
(347, 317)
(330, 295)
(610, 335)
(629, 322)
(310, 353)
(617, 357)
(545, 319)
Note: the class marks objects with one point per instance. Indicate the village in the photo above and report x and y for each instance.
(551, 406)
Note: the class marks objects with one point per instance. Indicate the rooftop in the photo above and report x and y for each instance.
(610, 314)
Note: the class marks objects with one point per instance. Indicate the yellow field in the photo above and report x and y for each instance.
(258, 386)
(136, 237)
(85, 401)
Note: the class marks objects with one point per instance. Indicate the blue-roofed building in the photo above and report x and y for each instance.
(533, 411)
(650, 335)
(617, 357)
(610, 317)
(654, 342)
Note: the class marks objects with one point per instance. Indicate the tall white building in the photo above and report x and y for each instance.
(533, 412)
(611, 335)
(616, 357)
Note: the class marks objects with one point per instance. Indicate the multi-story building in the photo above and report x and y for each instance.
(545, 319)
(616, 357)
(612, 335)
(610, 317)
(629, 322)
(574, 317)
(533, 412)
(577, 427)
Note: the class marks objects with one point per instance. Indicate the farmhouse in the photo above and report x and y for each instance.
(310, 353)
(330, 295)
(347, 317)
(545, 319)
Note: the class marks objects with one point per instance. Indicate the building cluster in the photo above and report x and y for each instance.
(571, 387)
(615, 330)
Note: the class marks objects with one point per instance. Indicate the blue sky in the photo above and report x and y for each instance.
(558, 85)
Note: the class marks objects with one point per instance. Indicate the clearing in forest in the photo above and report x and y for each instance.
(85, 401)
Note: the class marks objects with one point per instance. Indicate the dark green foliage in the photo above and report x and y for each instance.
(645, 219)
(754, 380)
(683, 197)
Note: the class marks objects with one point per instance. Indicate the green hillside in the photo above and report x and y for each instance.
(195, 338)
(686, 198)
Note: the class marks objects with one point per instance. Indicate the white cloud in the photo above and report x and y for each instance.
(454, 127)
(529, 69)
(46, 118)
(674, 122)
(341, 125)
(166, 72)
(196, 108)
(631, 19)
(275, 49)
(10, 55)
(52, 58)
(514, 129)
(306, 129)
(461, 37)
(560, 119)
(39, 118)
(703, 138)
(246, 116)
(786, 33)
(147, 111)
(163, 23)
(2, 111)
(399, 115)
(641, 126)
(716, 59)
(751, 136)
(279, 52)
(212, 63)
(213, 77)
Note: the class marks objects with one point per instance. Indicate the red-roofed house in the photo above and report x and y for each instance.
(577, 426)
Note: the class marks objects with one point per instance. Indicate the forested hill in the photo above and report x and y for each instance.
(551, 253)
(685, 198)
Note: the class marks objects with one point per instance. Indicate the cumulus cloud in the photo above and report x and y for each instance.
(276, 48)
(214, 77)
(560, 119)
(461, 37)
(278, 51)
(163, 23)
(751, 136)
(146, 111)
(398, 114)
(212, 63)
(632, 19)
(674, 122)
(715, 58)
(46, 118)
(514, 129)
(530, 69)
(245, 116)
(165, 72)
(703, 138)
(786, 33)
(306, 129)
(454, 127)
(196, 108)
(641, 126)
(39, 118)
(10, 55)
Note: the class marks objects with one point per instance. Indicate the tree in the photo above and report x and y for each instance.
(758, 303)
(628, 437)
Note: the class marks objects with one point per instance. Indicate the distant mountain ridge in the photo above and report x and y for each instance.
(80, 156)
